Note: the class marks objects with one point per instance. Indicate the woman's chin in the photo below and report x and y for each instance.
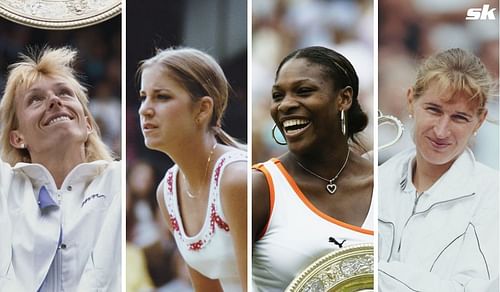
(439, 158)
(151, 144)
(299, 147)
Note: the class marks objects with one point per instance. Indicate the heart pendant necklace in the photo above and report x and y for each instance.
(331, 187)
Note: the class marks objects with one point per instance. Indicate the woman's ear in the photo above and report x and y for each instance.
(90, 129)
(345, 98)
(411, 99)
(204, 109)
(16, 139)
(482, 117)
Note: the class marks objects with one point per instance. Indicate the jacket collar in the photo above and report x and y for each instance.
(44, 199)
(40, 177)
(455, 184)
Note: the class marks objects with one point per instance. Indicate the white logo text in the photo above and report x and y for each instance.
(484, 13)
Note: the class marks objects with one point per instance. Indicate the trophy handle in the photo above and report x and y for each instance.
(393, 121)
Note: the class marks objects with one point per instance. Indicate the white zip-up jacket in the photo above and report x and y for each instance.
(445, 239)
(66, 239)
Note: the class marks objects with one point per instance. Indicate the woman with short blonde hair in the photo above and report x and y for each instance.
(60, 195)
(55, 63)
(438, 206)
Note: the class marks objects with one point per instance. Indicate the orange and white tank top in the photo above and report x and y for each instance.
(211, 251)
(297, 233)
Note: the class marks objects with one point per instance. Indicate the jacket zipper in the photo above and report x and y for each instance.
(413, 213)
(59, 249)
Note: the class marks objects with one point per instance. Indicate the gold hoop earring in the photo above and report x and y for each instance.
(343, 122)
(274, 136)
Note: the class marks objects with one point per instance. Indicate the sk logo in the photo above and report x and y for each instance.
(484, 13)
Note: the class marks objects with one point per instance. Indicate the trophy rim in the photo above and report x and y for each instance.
(63, 24)
(350, 282)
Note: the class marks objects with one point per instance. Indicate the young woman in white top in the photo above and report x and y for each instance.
(60, 193)
(317, 197)
(438, 206)
(203, 197)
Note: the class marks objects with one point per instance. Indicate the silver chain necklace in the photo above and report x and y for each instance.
(331, 187)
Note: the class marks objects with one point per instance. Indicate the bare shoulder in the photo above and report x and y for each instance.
(234, 180)
(260, 185)
(261, 195)
(233, 197)
(160, 198)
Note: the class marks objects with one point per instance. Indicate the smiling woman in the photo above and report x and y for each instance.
(438, 206)
(59, 188)
(50, 116)
(25, 90)
(325, 185)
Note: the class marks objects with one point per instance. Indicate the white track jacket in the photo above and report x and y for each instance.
(445, 239)
(60, 239)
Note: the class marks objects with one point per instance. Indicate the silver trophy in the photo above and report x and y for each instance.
(394, 122)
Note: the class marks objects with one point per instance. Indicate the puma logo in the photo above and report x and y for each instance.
(340, 244)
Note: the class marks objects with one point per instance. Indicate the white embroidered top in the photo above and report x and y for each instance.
(297, 233)
(211, 251)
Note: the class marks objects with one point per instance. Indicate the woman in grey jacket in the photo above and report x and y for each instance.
(438, 206)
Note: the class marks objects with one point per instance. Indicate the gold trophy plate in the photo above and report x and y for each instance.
(348, 269)
(59, 14)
